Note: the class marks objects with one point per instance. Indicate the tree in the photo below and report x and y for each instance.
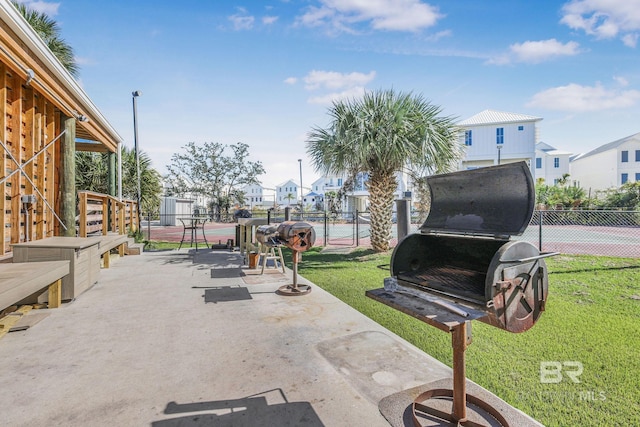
(49, 32)
(92, 175)
(560, 195)
(208, 170)
(626, 196)
(381, 134)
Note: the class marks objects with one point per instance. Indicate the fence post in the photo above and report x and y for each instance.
(357, 229)
(540, 232)
(326, 230)
(149, 225)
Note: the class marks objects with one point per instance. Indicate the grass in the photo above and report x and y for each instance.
(592, 317)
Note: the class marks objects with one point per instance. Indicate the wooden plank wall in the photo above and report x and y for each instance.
(27, 123)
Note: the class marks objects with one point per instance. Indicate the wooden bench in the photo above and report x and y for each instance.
(19, 281)
(109, 242)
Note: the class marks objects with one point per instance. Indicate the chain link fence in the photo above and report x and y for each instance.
(591, 232)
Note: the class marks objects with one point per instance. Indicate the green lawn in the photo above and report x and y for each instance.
(592, 317)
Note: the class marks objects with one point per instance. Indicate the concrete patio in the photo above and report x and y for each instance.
(185, 338)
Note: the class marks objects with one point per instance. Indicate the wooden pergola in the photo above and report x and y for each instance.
(45, 118)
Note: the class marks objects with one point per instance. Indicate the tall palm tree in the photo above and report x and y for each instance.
(381, 134)
(49, 32)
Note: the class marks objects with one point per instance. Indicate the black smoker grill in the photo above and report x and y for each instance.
(297, 236)
(462, 266)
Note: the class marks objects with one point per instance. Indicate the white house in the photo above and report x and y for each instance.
(551, 164)
(493, 137)
(288, 193)
(609, 165)
(358, 197)
(253, 195)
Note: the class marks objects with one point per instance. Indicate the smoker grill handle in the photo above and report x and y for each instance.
(529, 259)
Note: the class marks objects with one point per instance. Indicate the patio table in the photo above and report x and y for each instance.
(193, 224)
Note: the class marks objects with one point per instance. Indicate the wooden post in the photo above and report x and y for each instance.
(112, 188)
(55, 294)
(459, 341)
(68, 178)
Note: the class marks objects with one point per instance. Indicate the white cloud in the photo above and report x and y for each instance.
(333, 80)
(353, 92)
(534, 52)
(539, 51)
(48, 8)
(291, 80)
(268, 20)
(241, 21)
(621, 81)
(604, 19)
(389, 15)
(630, 40)
(577, 98)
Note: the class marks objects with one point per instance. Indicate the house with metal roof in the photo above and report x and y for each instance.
(493, 137)
(609, 165)
(45, 118)
(551, 164)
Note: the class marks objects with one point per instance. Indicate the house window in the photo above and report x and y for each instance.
(520, 127)
(499, 135)
(625, 156)
(637, 155)
(556, 162)
(624, 178)
(467, 137)
(538, 162)
(637, 177)
(339, 182)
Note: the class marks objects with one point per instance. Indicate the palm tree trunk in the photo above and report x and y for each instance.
(381, 186)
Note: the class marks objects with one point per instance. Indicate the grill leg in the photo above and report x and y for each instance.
(459, 340)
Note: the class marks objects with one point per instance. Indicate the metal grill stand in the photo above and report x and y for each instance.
(294, 289)
(454, 319)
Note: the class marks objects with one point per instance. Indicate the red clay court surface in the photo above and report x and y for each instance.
(605, 241)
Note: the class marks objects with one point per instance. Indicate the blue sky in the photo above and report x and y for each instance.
(265, 72)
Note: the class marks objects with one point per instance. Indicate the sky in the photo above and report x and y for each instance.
(265, 72)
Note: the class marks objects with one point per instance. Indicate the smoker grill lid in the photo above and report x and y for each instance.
(494, 201)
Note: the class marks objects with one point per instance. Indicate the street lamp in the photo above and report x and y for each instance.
(499, 146)
(301, 193)
(135, 95)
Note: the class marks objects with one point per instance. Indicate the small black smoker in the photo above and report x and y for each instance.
(462, 266)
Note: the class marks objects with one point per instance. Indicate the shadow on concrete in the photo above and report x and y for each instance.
(226, 294)
(248, 411)
(219, 259)
(226, 273)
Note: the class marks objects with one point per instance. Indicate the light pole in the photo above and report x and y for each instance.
(499, 146)
(135, 95)
(301, 193)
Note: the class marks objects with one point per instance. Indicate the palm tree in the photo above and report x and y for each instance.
(289, 197)
(92, 175)
(49, 32)
(382, 134)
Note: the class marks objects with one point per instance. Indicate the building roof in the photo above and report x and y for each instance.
(24, 51)
(610, 146)
(282, 184)
(489, 117)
